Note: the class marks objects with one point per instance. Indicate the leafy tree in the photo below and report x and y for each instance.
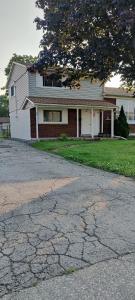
(121, 125)
(24, 59)
(4, 103)
(95, 37)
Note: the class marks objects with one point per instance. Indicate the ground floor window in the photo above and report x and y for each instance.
(129, 109)
(52, 116)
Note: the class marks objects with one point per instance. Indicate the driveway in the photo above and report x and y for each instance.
(57, 217)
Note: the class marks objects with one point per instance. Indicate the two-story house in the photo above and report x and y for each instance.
(42, 108)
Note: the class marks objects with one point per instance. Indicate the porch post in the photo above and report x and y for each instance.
(77, 122)
(92, 125)
(37, 134)
(102, 122)
(112, 123)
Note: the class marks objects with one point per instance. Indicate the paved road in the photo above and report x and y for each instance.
(56, 218)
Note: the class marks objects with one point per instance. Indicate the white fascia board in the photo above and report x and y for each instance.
(25, 100)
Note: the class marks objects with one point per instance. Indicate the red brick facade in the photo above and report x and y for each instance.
(110, 100)
(55, 130)
(132, 129)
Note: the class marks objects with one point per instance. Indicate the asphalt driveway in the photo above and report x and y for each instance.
(57, 217)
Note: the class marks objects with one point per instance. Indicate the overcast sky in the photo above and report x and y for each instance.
(18, 33)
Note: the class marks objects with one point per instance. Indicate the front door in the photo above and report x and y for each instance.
(86, 122)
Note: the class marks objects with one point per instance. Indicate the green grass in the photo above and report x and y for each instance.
(114, 156)
(1, 136)
(69, 271)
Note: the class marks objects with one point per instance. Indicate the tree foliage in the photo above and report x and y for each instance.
(121, 125)
(24, 59)
(4, 103)
(95, 37)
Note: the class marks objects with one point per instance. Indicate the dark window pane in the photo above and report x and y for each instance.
(12, 90)
(48, 81)
(52, 116)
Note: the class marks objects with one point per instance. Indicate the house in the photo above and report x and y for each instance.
(42, 108)
(4, 124)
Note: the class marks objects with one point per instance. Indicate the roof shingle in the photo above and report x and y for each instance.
(70, 102)
(111, 91)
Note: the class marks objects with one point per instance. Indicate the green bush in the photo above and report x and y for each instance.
(63, 137)
(121, 126)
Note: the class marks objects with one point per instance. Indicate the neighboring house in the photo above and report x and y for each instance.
(41, 108)
(4, 124)
(120, 97)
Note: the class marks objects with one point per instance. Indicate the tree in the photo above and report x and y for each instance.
(24, 59)
(121, 125)
(4, 110)
(95, 37)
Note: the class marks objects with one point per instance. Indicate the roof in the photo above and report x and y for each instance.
(70, 102)
(121, 92)
(4, 120)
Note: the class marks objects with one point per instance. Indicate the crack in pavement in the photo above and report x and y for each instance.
(74, 226)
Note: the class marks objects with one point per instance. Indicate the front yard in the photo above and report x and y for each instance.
(113, 156)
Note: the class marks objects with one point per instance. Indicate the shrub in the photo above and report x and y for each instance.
(63, 137)
(121, 126)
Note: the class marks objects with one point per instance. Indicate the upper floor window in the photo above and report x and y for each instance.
(51, 81)
(12, 90)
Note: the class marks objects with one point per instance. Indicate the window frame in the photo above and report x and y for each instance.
(52, 111)
(129, 109)
(52, 85)
(12, 90)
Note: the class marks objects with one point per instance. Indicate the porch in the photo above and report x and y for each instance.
(49, 118)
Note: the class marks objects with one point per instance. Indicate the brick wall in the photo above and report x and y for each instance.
(132, 128)
(55, 130)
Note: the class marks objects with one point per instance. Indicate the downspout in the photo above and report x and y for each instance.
(37, 133)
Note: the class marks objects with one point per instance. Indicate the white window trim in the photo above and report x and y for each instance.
(49, 88)
(54, 123)
(14, 90)
(55, 87)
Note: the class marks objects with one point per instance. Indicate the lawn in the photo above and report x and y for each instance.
(1, 136)
(114, 156)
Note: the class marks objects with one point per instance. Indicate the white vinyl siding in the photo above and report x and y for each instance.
(19, 119)
(20, 125)
(86, 91)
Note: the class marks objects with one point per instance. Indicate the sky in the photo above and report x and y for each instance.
(18, 33)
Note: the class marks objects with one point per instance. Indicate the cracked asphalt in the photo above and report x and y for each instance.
(57, 217)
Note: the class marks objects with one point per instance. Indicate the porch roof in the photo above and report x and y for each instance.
(71, 102)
